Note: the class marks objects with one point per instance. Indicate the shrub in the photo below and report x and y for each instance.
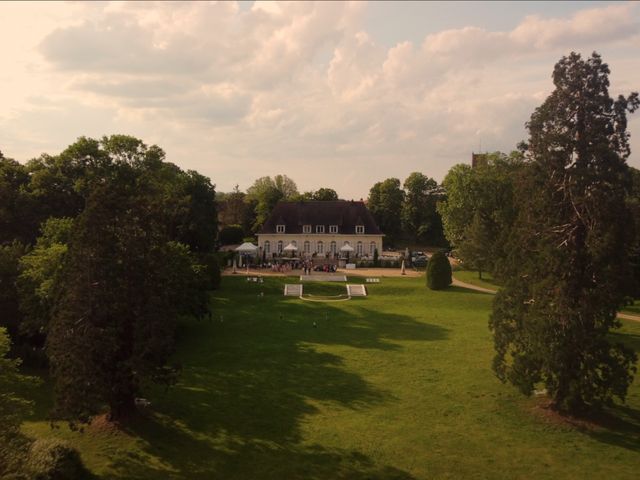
(230, 235)
(51, 459)
(438, 272)
(375, 257)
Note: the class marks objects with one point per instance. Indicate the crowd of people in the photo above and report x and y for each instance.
(306, 266)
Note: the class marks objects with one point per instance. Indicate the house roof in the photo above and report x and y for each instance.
(346, 214)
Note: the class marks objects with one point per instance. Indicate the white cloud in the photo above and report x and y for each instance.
(300, 88)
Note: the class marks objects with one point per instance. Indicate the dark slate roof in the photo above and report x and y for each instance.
(346, 214)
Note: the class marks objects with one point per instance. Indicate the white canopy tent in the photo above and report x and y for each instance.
(247, 247)
(290, 248)
(348, 249)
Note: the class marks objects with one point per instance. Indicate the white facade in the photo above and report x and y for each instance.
(321, 244)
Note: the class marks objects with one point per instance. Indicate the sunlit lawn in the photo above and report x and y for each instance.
(470, 276)
(395, 385)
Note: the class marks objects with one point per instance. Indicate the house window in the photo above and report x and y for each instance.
(279, 228)
(333, 228)
(319, 228)
(267, 247)
(359, 249)
(320, 247)
(332, 248)
(372, 248)
(359, 228)
(280, 246)
(307, 247)
(306, 229)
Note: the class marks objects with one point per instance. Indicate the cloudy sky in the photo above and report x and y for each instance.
(331, 94)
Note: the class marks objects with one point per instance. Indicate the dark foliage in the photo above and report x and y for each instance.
(438, 271)
(231, 235)
(568, 270)
(13, 408)
(385, 203)
(131, 267)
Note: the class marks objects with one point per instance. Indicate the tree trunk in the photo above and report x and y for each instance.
(122, 409)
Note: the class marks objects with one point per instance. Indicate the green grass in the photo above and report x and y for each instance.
(633, 309)
(396, 385)
(471, 276)
(327, 288)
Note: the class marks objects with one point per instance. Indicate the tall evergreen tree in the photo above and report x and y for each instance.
(123, 284)
(568, 270)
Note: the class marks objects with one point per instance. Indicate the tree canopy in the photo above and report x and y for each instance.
(419, 216)
(479, 209)
(385, 203)
(266, 192)
(568, 271)
(103, 246)
(123, 283)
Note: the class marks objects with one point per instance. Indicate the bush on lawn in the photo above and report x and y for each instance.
(51, 459)
(438, 271)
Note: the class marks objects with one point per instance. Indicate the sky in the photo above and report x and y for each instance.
(331, 94)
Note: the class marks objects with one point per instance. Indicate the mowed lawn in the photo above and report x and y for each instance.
(397, 385)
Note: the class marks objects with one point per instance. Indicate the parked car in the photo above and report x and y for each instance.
(420, 261)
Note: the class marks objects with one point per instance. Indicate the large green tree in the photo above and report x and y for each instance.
(235, 208)
(18, 217)
(124, 281)
(385, 203)
(479, 209)
(634, 204)
(39, 270)
(569, 271)
(266, 192)
(420, 220)
(10, 315)
(324, 194)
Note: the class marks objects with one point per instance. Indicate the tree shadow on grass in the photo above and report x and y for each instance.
(251, 379)
(629, 339)
(187, 456)
(618, 426)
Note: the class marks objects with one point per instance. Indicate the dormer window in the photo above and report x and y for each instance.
(306, 229)
(279, 228)
(319, 228)
(359, 228)
(333, 228)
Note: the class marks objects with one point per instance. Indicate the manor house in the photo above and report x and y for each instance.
(320, 230)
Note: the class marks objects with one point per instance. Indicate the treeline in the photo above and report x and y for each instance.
(556, 223)
(406, 212)
(102, 247)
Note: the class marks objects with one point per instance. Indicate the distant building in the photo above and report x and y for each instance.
(478, 159)
(320, 229)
